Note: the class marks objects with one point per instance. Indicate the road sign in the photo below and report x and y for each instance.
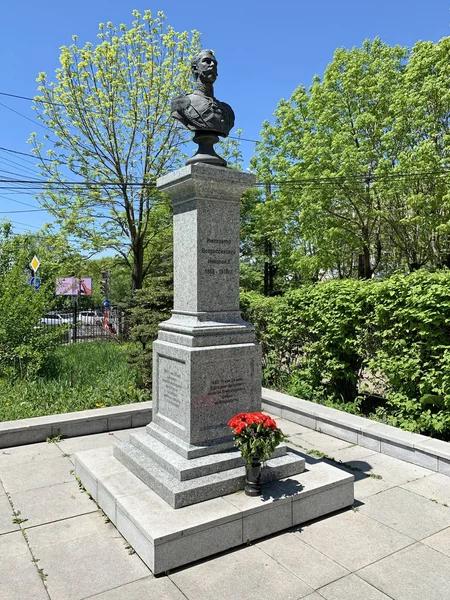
(106, 303)
(34, 264)
(35, 282)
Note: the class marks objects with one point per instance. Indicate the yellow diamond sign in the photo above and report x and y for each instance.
(34, 264)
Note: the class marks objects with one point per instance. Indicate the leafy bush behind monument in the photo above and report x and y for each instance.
(380, 348)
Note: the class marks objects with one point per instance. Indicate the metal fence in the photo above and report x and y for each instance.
(88, 325)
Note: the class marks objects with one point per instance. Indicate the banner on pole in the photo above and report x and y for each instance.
(74, 286)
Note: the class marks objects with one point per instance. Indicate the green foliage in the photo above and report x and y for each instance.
(109, 112)
(412, 316)
(230, 149)
(373, 347)
(310, 338)
(150, 305)
(379, 113)
(75, 377)
(24, 346)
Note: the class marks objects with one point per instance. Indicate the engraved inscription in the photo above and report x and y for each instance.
(225, 391)
(220, 254)
(171, 382)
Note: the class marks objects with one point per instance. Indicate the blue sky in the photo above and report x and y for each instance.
(265, 50)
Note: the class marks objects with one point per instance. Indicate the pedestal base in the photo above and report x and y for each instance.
(165, 538)
(181, 481)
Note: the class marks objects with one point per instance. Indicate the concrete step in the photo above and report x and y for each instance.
(182, 468)
(178, 493)
(166, 538)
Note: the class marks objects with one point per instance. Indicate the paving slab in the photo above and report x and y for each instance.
(246, 575)
(28, 454)
(86, 566)
(288, 427)
(351, 587)
(13, 544)
(310, 565)
(19, 579)
(36, 474)
(410, 514)
(44, 505)
(86, 442)
(149, 587)
(319, 441)
(367, 482)
(352, 539)
(368, 486)
(414, 573)
(6, 516)
(392, 470)
(439, 541)
(352, 452)
(72, 528)
(123, 435)
(435, 487)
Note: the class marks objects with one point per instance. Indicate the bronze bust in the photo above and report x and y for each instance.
(201, 112)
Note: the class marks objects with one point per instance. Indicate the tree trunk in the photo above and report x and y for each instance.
(269, 268)
(137, 274)
(364, 267)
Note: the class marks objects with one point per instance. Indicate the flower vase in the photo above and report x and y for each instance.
(253, 478)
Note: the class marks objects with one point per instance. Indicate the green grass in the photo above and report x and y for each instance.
(76, 377)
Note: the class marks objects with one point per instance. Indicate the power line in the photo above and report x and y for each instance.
(25, 117)
(28, 98)
(17, 201)
(10, 212)
(39, 184)
(25, 224)
(25, 154)
(241, 139)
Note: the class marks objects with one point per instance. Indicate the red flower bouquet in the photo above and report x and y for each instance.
(256, 435)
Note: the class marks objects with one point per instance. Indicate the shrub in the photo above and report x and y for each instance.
(320, 341)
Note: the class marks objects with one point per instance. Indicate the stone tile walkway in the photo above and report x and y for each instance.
(393, 544)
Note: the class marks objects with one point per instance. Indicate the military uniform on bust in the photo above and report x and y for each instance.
(198, 111)
(201, 112)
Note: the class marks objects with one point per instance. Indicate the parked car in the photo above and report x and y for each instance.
(56, 319)
(90, 317)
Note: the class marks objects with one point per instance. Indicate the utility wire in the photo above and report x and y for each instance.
(25, 117)
(93, 112)
(25, 154)
(10, 212)
(17, 201)
(37, 184)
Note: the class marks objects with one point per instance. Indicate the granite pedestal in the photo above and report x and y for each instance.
(206, 362)
(206, 368)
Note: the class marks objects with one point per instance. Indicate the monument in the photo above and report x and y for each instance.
(202, 113)
(206, 362)
(206, 368)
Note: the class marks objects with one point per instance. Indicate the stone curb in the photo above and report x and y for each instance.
(83, 422)
(418, 449)
(414, 448)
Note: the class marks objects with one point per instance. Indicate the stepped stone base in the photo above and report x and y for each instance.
(166, 538)
(181, 481)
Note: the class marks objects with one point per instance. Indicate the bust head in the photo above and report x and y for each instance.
(204, 66)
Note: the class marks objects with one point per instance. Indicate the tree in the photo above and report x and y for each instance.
(333, 138)
(24, 345)
(109, 112)
(362, 159)
(419, 206)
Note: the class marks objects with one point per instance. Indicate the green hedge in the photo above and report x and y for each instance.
(380, 348)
